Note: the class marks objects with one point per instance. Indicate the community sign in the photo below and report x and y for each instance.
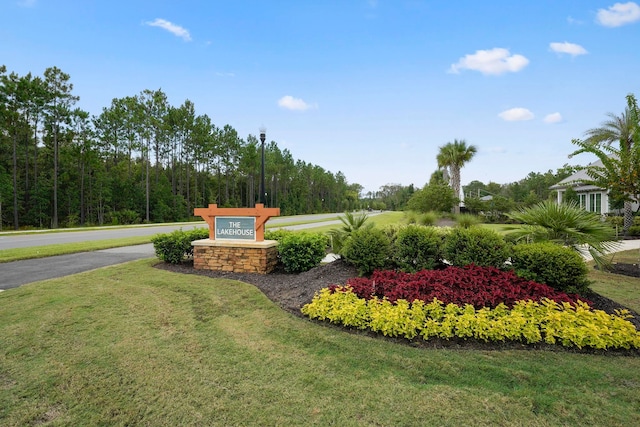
(235, 228)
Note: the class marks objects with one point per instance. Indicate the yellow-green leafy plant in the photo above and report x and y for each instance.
(569, 325)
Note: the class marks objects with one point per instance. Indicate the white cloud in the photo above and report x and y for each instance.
(27, 3)
(516, 115)
(290, 103)
(619, 14)
(568, 48)
(174, 29)
(494, 61)
(553, 118)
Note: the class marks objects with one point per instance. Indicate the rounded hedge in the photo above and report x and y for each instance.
(475, 245)
(558, 266)
(418, 248)
(301, 252)
(175, 247)
(368, 249)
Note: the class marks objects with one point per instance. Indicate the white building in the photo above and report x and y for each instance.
(592, 198)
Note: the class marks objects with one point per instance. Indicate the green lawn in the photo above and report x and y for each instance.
(134, 345)
(381, 220)
(7, 255)
(625, 290)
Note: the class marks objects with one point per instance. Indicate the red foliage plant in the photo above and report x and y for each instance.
(478, 286)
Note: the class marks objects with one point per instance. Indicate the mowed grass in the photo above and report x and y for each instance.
(380, 220)
(623, 289)
(135, 345)
(16, 254)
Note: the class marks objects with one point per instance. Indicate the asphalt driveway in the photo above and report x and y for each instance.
(17, 273)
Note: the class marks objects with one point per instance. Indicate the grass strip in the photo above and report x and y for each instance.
(16, 254)
(92, 228)
(291, 223)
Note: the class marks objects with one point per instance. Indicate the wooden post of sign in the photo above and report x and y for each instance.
(260, 213)
(236, 240)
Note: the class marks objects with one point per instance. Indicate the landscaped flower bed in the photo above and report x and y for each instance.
(478, 286)
(449, 303)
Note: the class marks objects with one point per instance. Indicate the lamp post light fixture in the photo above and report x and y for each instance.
(263, 195)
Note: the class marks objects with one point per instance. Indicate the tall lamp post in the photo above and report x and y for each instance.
(263, 198)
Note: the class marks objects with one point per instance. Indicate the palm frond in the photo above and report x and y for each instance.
(566, 224)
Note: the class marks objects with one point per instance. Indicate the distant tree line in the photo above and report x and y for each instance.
(442, 192)
(489, 197)
(141, 159)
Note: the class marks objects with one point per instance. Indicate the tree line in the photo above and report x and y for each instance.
(141, 159)
(438, 195)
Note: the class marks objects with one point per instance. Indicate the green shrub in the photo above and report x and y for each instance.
(513, 238)
(568, 224)
(560, 267)
(176, 246)
(428, 218)
(417, 248)
(615, 220)
(276, 235)
(367, 249)
(634, 230)
(391, 231)
(350, 223)
(300, 252)
(475, 245)
(467, 220)
(411, 217)
(126, 216)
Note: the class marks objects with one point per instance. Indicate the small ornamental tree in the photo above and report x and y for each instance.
(433, 197)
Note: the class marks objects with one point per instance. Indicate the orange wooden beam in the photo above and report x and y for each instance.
(261, 214)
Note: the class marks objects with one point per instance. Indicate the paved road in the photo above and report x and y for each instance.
(38, 238)
(12, 241)
(17, 273)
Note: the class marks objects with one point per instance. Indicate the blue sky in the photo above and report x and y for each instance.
(371, 88)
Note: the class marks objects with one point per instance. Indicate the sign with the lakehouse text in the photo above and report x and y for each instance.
(235, 228)
(233, 225)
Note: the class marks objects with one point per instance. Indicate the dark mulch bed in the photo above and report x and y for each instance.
(292, 291)
(632, 270)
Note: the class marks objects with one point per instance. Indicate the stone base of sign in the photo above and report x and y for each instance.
(235, 256)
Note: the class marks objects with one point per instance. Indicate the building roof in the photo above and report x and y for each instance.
(577, 179)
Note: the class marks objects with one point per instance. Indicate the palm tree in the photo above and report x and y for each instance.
(619, 168)
(566, 224)
(616, 129)
(452, 157)
(350, 223)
